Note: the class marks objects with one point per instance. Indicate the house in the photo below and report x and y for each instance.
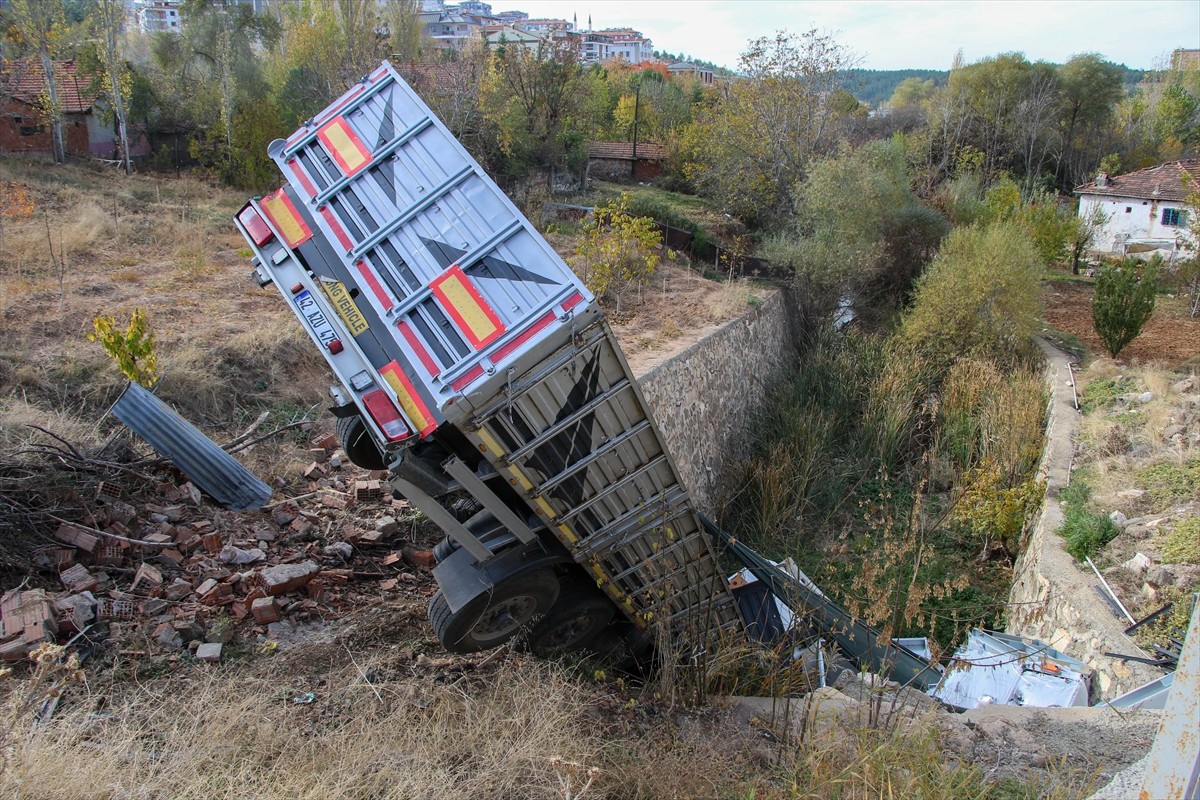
(641, 160)
(1143, 210)
(703, 74)
(628, 45)
(156, 16)
(515, 37)
(23, 127)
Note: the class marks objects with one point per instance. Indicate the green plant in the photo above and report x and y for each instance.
(1102, 393)
(1125, 294)
(133, 348)
(1183, 543)
(618, 251)
(1170, 483)
(1085, 531)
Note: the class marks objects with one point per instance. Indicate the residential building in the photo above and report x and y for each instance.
(617, 160)
(156, 16)
(544, 27)
(25, 130)
(628, 45)
(515, 37)
(594, 48)
(703, 74)
(1143, 210)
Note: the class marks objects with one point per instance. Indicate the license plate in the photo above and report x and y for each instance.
(315, 318)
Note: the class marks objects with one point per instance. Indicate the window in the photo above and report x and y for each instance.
(32, 130)
(1174, 217)
(1128, 209)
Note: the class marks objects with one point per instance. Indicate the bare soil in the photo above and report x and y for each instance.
(1170, 337)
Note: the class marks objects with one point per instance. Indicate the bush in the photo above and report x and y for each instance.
(1124, 301)
(980, 298)
(1183, 543)
(618, 251)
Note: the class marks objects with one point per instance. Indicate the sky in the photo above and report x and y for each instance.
(900, 34)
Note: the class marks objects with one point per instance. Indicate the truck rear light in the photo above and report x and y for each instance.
(297, 288)
(255, 225)
(386, 415)
(335, 346)
(360, 381)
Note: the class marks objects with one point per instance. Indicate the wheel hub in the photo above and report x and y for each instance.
(501, 620)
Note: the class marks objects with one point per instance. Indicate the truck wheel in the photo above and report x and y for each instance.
(575, 620)
(496, 616)
(357, 443)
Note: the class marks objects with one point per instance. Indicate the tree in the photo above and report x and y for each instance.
(752, 150)
(911, 92)
(1125, 294)
(1091, 88)
(40, 26)
(618, 251)
(980, 297)
(107, 21)
(1084, 235)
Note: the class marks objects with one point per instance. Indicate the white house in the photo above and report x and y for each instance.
(1143, 210)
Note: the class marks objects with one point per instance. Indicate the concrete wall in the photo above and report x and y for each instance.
(1128, 218)
(1053, 599)
(704, 398)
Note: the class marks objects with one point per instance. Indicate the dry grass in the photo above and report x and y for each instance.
(233, 735)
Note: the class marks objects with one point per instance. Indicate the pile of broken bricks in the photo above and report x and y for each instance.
(190, 576)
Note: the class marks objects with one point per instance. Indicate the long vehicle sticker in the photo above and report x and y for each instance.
(345, 306)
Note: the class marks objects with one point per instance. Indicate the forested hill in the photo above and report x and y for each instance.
(875, 86)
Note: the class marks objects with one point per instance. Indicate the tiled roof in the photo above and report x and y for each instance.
(1164, 182)
(624, 150)
(25, 80)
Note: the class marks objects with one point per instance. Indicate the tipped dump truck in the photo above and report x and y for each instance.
(475, 367)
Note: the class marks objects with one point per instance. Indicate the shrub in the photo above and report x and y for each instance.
(979, 298)
(133, 349)
(1124, 301)
(618, 251)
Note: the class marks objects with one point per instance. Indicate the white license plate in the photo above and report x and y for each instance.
(315, 318)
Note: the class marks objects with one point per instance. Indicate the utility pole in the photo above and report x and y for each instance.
(637, 96)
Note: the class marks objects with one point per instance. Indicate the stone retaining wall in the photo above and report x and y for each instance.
(1052, 598)
(705, 398)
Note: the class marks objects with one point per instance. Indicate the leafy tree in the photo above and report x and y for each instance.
(1125, 294)
(133, 348)
(911, 92)
(979, 298)
(107, 21)
(1084, 233)
(618, 252)
(1091, 87)
(39, 27)
(752, 150)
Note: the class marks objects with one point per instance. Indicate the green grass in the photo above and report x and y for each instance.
(1170, 483)
(1183, 543)
(1086, 531)
(1103, 393)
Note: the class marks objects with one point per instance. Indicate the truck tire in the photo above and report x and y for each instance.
(572, 624)
(492, 618)
(357, 443)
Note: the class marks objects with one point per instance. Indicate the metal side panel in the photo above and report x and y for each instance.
(573, 437)
(216, 472)
(464, 283)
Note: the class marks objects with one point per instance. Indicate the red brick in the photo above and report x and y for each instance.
(265, 610)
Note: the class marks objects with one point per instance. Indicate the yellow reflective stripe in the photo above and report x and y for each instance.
(279, 208)
(546, 508)
(406, 394)
(489, 442)
(466, 307)
(347, 150)
(568, 534)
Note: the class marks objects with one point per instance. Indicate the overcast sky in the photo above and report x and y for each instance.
(896, 34)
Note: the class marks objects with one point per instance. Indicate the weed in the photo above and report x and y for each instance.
(1182, 545)
(1104, 392)
(1169, 483)
(1086, 531)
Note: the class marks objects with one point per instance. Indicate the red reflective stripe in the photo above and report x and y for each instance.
(329, 112)
(466, 380)
(375, 286)
(379, 73)
(309, 189)
(524, 336)
(572, 301)
(418, 347)
(336, 227)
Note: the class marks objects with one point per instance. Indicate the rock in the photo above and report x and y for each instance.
(284, 578)
(1138, 564)
(1132, 494)
(1118, 519)
(1149, 593)
(168, 637)
(209, 651)
(1184, 386)
(1160, 576)
(1145, 397)
(387, 525)
(1171, 431)
(339, 550)
(236, 555)
(265, 610)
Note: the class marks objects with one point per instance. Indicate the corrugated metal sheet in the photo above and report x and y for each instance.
(217, 473)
